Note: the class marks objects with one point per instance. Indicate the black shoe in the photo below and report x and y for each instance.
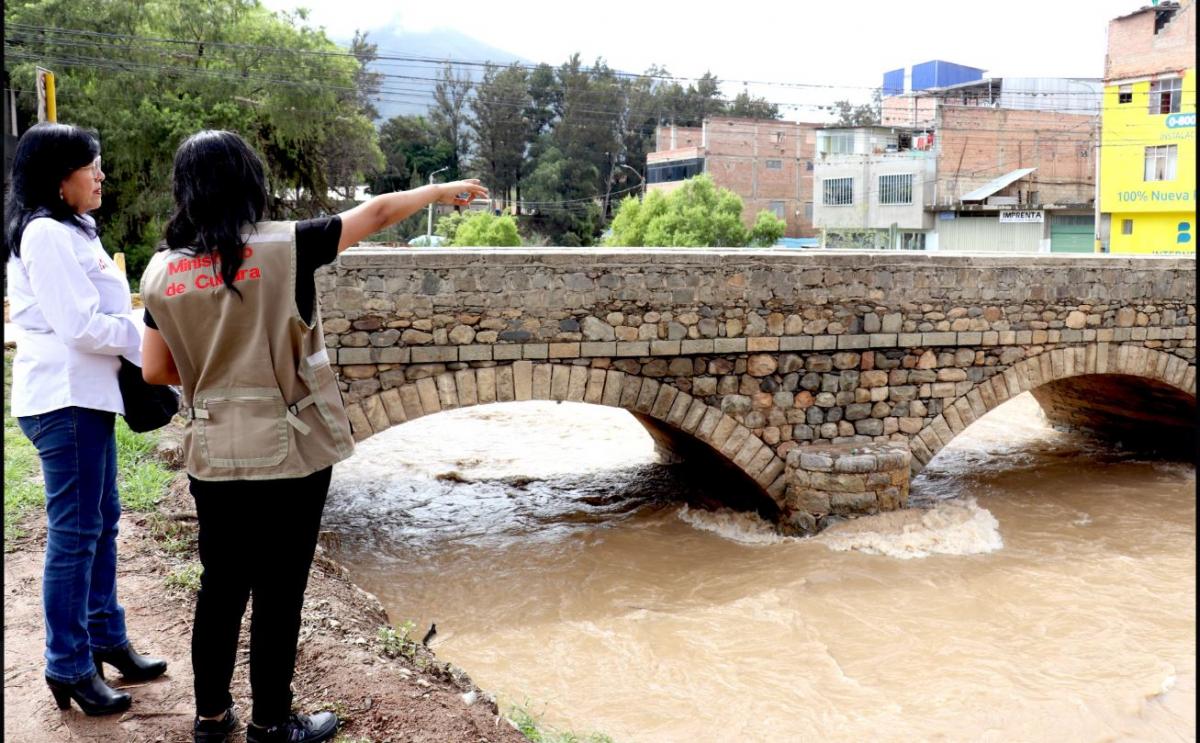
(215, 731)
(298, 729)
(133, 667)
(92, 695)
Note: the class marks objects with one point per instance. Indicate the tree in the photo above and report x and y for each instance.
(411, 150)
(486, 229)
(697, 214)
(499, 130)
(449, 115)
(575, 158)
(767, 229)
(752, 108)
(448, 224)
(230, 64)
(867, 114)
(559, 204)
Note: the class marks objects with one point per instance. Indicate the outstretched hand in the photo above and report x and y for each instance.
(461, 193)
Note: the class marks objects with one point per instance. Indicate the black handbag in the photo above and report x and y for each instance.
(147, 406)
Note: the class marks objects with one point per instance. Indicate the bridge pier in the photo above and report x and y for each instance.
(843, 480)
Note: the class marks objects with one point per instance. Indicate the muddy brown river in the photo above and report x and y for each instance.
(1039, 588)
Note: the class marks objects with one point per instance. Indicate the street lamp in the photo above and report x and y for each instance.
(429, 225)
(635, 172)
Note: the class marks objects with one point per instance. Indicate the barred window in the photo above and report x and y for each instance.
(838, 192)
(1165, 95)
(1160, 162)
(778, 208)
(774, 165)
(895, 189)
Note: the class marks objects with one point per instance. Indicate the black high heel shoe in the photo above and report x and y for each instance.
(92, 695)
(133, 667)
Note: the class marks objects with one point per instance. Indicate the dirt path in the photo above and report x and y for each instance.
(342, 665)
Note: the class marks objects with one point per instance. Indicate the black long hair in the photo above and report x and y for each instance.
(220, 188)
(46, 154)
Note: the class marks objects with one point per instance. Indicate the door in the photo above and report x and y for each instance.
(1072, 233)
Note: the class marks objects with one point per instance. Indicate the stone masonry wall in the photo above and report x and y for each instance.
(793, 349)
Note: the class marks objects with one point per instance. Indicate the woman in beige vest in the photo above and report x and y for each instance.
(232, 318)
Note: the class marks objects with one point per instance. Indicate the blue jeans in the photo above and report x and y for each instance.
(78, 449)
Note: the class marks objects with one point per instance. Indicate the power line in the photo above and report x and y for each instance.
(396, 57)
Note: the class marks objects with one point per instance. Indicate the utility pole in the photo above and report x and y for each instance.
(47, 110)
(429, 225)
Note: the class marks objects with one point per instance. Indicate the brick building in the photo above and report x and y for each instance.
(768, 163)
(964, 172)
(1147, 190)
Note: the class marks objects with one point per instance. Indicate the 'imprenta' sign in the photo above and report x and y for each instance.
(1019, 216)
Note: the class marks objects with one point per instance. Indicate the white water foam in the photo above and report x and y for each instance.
(958, 527)
(737, 526)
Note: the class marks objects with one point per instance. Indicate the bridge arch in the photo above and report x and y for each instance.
(1054, 377)
(674, 418)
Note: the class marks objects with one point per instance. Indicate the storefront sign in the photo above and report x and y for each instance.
(1015, 216)
(1181, 121)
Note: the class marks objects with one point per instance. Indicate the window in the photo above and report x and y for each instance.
(895, 189)
(778, 137)
(1126, 226)
(912, 240)
(1165, 95)
(838, 144)
(774, 165)
(838, 192)
(1125, 94)
(675, 170)
(777, 208)
(808, 211)
(1160, 162)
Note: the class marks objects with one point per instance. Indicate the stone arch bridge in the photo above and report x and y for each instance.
(821, 379)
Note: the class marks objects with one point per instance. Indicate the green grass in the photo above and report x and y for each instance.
(141, 477)
(538, 732)
(185, 577)
(22, 470)
(398, 640)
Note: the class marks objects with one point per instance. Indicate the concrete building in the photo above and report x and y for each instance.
(1147, 193)
(768, 163)
(954, 168)
(875, 188)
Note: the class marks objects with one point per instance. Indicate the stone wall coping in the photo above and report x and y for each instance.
(433, 354)
(375, 257)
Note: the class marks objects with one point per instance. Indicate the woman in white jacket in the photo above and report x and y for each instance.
(72, 306)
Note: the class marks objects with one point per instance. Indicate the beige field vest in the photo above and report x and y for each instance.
(261, 399)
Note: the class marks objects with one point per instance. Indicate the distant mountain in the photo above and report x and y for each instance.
(403, 96)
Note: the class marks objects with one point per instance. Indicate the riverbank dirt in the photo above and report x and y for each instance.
(382, 696)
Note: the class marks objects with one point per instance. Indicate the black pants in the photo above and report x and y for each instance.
(256, 538)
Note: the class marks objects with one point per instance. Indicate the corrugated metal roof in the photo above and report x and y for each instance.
(996, 184)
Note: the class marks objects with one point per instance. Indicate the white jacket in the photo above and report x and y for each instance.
(72, 307)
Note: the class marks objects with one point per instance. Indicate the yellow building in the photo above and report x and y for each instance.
(1147, 189)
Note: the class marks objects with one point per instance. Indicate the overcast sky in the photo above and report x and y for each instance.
(848, 45)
